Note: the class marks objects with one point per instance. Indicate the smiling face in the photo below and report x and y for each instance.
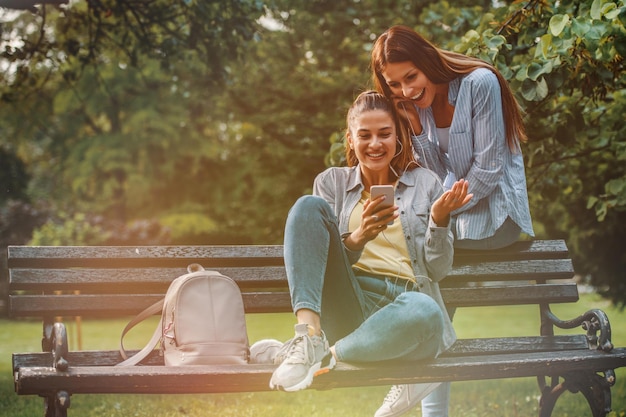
(372, 137)
(407, 82)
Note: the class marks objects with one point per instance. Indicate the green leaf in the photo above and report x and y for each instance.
(558, 23)
(534, 90)
(522, 73)
(616, 187)
(470, 36)
(596, 9)
(543, 47)
(580, 26)
(607, 8)
(542, 89)
(495, 42)
(534, 71)
(528, 90)
(612, 12)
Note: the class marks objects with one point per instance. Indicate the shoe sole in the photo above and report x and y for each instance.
(319, 368)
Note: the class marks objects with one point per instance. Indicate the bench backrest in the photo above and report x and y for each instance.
(122, 280)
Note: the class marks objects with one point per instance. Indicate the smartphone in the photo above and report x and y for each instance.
(386, 190)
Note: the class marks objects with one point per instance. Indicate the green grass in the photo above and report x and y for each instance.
(503, 398)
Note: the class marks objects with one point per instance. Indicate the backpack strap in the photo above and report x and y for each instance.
(156, 336)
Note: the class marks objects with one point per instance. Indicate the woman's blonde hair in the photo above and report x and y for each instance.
(402, 44)
(373, 100)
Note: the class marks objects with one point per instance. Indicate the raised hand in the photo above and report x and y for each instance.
(373, 221)
(456, 197)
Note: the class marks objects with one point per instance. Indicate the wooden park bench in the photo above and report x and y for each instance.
(106, 282)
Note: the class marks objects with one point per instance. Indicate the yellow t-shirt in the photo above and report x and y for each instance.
(387, 254)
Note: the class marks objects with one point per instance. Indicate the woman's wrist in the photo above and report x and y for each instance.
(440, 222)
(351, 243)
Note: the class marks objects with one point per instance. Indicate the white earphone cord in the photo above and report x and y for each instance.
(412, 133)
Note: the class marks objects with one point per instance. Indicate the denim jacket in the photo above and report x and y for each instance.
(430, 246)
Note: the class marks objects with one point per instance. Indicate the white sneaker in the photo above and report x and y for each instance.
(401, 398)
(264, 351)
(301, 358)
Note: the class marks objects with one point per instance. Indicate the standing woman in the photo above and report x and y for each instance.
(465, 123)
(364, 279)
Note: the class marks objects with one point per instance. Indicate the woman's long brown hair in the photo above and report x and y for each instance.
(402, 44)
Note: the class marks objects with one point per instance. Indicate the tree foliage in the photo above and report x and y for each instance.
(573, 86)
(202, 121)
(124, 97)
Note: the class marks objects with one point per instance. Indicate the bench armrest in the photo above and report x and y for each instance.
(594, 321)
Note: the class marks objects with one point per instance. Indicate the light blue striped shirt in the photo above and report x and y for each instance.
(478, 152)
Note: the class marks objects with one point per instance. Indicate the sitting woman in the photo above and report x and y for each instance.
(364, 279)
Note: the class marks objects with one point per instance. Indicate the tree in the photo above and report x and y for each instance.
(207, 120)
(291, 95)
(123, 94)
(567, 62)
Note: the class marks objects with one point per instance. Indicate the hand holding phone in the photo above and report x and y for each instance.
(386, 190)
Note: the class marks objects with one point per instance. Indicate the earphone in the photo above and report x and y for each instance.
(401, 147)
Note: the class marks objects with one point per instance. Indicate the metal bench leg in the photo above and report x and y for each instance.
(56, 405)
(59, 347)
(595, 388)
(55, 341)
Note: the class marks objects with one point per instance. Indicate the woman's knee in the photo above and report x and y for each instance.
(308, 204)
(421, 310)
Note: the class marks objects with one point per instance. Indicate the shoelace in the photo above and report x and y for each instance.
(394, 393)
(297, 350)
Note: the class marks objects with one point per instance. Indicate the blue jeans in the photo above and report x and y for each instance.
(367, 318)
(436, 403)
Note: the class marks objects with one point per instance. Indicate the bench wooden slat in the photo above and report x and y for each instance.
(499, 345)
(147, 256)
(158, 279)
(116, 305)
(247, 378)
(547, 269)
(482, 346)
(510, 295)
(110, 305)
(141, 256)
(146, 252)
(532, 249)
(133, 280)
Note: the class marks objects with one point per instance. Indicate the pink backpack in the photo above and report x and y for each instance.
(202, 322)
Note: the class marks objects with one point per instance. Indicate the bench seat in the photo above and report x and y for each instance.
(157, 379)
